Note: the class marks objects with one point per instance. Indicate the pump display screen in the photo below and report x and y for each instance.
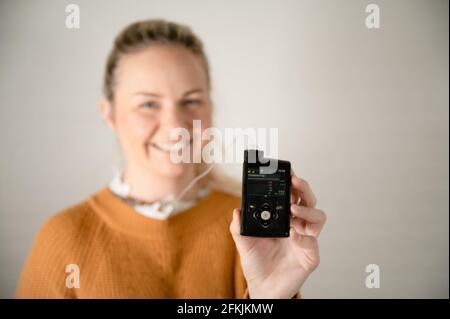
(266, 184)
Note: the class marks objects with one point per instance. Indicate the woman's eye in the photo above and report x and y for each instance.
(192, 103)
(149, 105)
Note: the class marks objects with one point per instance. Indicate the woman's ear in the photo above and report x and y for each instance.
(107, 112)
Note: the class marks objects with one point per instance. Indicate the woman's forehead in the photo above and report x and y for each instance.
(161, 68)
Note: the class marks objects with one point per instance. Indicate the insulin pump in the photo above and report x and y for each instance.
(266, 185)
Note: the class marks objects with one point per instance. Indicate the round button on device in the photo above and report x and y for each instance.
(265, 215)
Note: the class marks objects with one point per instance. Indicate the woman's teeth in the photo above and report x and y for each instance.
(170, 147)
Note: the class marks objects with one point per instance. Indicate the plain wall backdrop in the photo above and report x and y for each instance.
(361, 113)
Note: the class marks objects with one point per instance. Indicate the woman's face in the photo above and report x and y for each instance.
(157, 90)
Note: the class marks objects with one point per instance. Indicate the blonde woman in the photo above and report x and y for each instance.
(126, 241)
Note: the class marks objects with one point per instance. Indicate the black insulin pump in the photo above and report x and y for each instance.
(266, 195)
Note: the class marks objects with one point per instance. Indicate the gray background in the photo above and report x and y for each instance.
(362, 114)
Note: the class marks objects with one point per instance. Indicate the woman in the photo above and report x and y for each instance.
(124, 241)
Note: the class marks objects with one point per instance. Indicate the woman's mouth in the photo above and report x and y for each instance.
(170, 147)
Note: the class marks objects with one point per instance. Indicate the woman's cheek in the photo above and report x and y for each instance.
(136, 132)
(139, 128)
(205, 117)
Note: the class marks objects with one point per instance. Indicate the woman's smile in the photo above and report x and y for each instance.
(169, 147)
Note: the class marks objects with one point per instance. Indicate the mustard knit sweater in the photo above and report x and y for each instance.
(122, 254)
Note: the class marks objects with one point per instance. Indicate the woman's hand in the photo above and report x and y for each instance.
(278, 267)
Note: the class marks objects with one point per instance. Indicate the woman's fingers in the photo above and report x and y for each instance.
(303, 191)
(307, 220)
(299, 225)
(311, 215)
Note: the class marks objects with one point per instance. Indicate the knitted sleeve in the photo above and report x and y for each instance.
(48, 270)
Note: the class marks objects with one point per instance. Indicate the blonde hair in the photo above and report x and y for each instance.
(140, 35)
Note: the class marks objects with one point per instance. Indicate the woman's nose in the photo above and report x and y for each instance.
(173, 117)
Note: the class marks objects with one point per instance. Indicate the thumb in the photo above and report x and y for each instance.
(243, 243)
(235, 222)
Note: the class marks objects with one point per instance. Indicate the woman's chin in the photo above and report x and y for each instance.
(170, 169)
(162, 163)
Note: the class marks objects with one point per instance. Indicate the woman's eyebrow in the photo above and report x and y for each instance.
(198, 90)
(147, 93)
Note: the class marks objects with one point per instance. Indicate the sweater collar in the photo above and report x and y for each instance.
(121, 216)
